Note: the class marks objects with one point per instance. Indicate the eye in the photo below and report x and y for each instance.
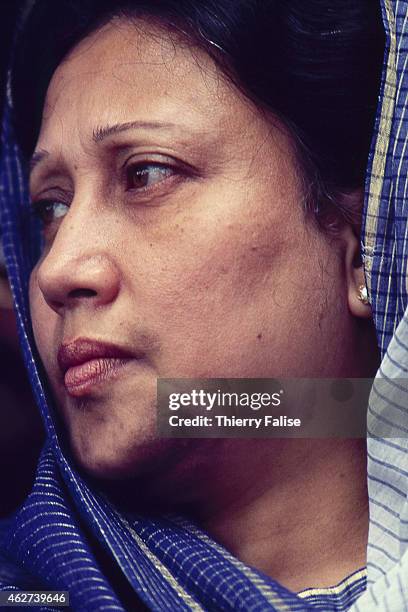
(143, 176)
(49, 211)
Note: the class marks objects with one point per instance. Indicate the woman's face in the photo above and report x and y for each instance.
(175, 231)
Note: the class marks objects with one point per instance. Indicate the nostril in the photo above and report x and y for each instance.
(81, 293)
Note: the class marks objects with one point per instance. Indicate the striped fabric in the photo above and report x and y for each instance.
(384, 237)
(69, 537)
(385, 247)
(339, 597)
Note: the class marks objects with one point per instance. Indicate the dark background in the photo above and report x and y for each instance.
(9, 9)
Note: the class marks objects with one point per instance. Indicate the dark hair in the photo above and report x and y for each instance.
(315, 64)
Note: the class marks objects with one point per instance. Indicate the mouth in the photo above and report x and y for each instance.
(85, 363)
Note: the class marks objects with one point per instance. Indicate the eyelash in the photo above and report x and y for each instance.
(41, 208)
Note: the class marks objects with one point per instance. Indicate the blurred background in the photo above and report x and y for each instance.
(21, 432)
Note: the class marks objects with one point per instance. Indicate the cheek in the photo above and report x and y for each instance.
(42, 318)
(34, 295)
(232, 290)
(209, 297)
(207, 272)
(221, 250)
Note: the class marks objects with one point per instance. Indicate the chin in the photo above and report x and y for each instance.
(105, 446)
(144, 473)
(104, 452)
(110, 433)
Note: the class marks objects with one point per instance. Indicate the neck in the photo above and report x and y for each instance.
(303, 519)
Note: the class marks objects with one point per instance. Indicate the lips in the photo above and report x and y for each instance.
(85, 363)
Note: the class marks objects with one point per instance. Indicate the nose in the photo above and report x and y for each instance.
(77, 270)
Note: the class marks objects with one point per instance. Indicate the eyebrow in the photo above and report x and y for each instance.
(37, 157)
(100, 133)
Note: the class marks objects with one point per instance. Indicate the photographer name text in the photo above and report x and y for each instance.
(232, 421)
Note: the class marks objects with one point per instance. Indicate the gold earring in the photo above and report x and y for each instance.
(363, 295)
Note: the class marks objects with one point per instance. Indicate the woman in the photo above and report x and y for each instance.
(221, 216)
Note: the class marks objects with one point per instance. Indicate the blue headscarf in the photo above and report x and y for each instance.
(67, 536)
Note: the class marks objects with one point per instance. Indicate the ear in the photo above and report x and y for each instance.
(355, 277)
(354, 269)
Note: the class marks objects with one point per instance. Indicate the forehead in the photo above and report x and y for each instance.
(127, 69)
